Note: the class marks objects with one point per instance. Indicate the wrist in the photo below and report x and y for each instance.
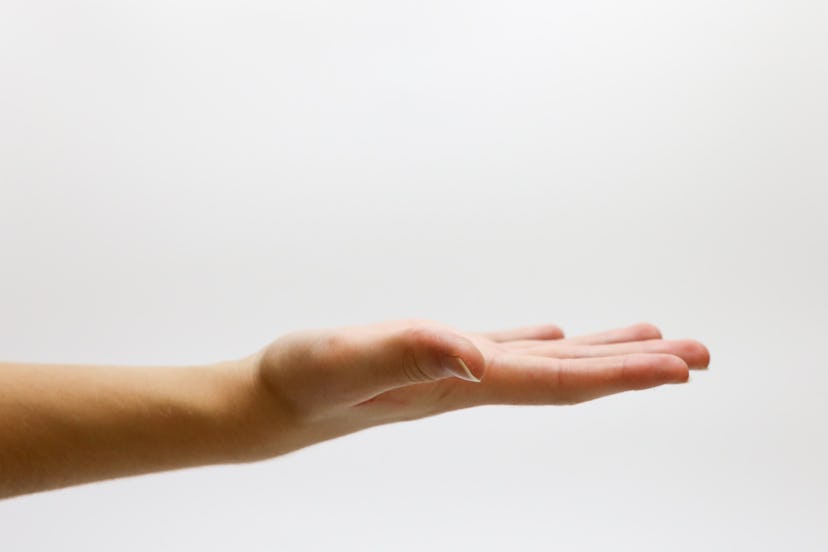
(249, 420)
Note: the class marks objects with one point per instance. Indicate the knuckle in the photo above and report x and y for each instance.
(563, 390)
(416, 340)
(418, 335)
(332, 347)
(416, 321)
(403, 323)
(624, 369)
(413, 369)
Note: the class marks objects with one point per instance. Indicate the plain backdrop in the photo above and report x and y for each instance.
(184, 181)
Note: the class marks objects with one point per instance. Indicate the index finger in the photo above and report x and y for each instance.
(525, 379)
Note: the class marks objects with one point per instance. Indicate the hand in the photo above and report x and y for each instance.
(68, 424)
(332, 382)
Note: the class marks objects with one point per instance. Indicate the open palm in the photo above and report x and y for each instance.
(342, 380)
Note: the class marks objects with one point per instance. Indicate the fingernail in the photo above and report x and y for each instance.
(458, 367)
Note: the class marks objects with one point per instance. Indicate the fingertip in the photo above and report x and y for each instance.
(695, 353)
(657, 368)
(551, 331)
(702, 357)
(471, 357)
(678, 369)
(646, 330)
(458, 367)
(705, 357)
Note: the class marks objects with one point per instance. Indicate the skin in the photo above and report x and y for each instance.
(63, 425)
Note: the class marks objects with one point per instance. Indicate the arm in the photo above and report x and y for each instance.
(65, 425)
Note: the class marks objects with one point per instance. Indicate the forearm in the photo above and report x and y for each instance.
(67, 424)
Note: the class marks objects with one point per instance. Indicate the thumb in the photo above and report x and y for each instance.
(422, 354)
(415, 354)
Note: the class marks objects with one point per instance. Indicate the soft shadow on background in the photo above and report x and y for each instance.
(183, 181)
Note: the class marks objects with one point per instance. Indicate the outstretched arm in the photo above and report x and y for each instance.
(64, 424)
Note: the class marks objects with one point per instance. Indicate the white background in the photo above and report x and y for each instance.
(183, 181)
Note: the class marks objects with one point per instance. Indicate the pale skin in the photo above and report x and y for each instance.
(63, 425)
